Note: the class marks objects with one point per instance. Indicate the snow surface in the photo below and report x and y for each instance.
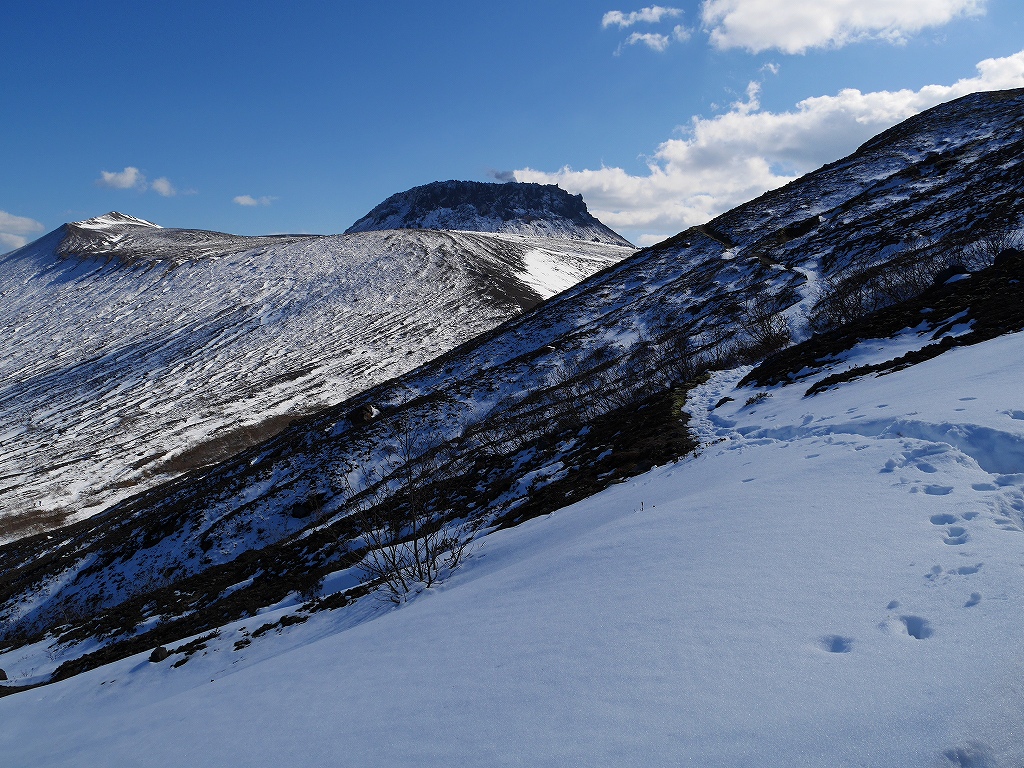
(835, 580)
(113, 367)
(113, 220)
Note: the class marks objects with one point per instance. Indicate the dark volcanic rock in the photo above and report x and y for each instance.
(514, 208)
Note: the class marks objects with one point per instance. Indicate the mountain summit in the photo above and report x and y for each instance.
(474, 206)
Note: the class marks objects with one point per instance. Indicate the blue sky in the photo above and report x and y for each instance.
(263, 117)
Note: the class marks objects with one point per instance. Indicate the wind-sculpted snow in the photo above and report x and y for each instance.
(130, 353)
(517, 401)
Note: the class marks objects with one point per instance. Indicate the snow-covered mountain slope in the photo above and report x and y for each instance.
(550, 407)
(130, 353)
(832, 581)
(128, 239)
(537, 210)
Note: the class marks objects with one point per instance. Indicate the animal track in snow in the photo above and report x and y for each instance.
(943, 519)
(974, 599)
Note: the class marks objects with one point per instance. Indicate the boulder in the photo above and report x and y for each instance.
(1009, 259)
(364, 414)
(949, 273)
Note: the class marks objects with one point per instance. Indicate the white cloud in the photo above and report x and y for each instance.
(130, 178)
(163, 186)
(652, 40)
(794, 26)
(731, 158)
(656, 41)
(650, 15)
(249, 200)
(13, 230)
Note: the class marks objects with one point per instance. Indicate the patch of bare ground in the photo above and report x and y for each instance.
(16, 525)
(224, 445)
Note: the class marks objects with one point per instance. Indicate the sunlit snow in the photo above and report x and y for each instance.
(835, 580)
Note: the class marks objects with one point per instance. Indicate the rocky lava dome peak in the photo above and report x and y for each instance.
(513, 208)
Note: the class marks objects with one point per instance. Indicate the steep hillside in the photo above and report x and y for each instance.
(581, 392)
(130, 353)
(832, 582)
(514, 208)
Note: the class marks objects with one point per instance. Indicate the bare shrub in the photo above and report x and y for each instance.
(982, 253)
(853, 293)
(761, 318)
(408, 543)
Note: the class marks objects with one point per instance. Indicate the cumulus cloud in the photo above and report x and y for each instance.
(650, 15)
(249, 200)
(797, 25)
(728, 159)
(163, 186)
(130, 178)
(656, 41)
(503, 176)
(652, 40)
(13, 230)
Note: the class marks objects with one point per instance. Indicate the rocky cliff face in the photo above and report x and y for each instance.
(522, 209)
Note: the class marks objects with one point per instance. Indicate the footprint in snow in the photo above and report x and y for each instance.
(974, 599)
(938, 490)
(955, 536)
(836, 643)
(971, 755)
(943, 519)
(916, 627)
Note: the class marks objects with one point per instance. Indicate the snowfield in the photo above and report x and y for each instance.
(835, 580)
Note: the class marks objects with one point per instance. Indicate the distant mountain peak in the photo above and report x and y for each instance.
(476, 206)
(113, 219)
